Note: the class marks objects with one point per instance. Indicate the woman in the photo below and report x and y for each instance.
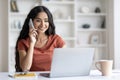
(34, 47)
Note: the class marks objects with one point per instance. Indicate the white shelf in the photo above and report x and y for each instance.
(101, 30)
(18, 14)
(92, 45)
(96, 21)
(69, 38)
(15, 30)
(91, 14)
(57, 2)
(64, 20)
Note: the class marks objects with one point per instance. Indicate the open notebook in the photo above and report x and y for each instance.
(24, 76)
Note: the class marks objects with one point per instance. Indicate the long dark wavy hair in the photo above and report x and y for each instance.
(25, 30)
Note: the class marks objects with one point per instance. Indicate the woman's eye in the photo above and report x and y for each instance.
(46, 20)
(38, 20)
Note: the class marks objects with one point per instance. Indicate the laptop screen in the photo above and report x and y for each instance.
(71, 62)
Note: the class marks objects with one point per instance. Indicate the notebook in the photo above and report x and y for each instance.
(68, 62)
(19, 75)
(28, 75)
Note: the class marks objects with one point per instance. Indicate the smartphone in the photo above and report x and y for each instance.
(31, 23)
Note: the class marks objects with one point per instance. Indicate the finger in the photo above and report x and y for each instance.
(30, 30)
(34, 35)
(35, 32)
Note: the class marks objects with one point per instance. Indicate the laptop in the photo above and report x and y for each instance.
(69, 62)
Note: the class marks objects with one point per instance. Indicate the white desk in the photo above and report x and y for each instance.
(94, 75)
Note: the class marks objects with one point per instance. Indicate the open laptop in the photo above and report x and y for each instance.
(68, 62)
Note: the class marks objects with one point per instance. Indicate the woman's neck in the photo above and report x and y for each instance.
(41, 40)
(42, 37)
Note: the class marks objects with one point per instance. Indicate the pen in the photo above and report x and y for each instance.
(24, 72)
(11, 76)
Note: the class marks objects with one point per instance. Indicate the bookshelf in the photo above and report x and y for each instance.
(69, 21)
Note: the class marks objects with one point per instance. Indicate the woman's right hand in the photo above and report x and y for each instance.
(33, 35)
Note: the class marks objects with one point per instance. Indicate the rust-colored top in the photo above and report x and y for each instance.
(42, 56)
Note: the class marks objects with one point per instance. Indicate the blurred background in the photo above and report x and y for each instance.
(81, 23)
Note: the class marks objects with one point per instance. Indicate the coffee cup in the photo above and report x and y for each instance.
(105, 67)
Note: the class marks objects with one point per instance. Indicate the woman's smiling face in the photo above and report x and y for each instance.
(41, 22)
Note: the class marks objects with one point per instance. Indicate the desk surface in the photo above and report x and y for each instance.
(94, 75)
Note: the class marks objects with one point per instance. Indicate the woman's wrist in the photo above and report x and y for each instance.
(32, 44)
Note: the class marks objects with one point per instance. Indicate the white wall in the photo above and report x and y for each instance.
(114, 32)
(3, 36)
(117, 33)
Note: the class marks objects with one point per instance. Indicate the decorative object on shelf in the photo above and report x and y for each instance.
(13, 5)
(46, 0)
(17, 24)
(58, 14)
(37, 4)
(94, 39)
(69, 17)
(97, 10)
(86, 26)
(103, 23)
(85, 9)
